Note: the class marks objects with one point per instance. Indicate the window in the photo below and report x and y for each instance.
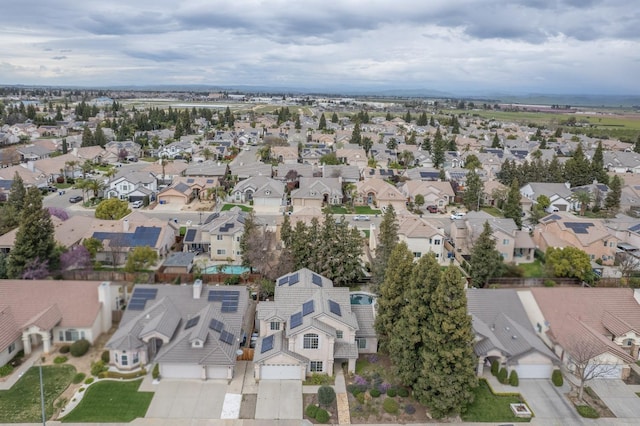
(136, 357)
(362, 343)
(316, 366)
(628, 342)
(116, 357)
(436, 242)
(219, 237)
(71, 335)
(339, 334)
(221, 251)
(417, 254)
(275, 325)
(238, 239)
(124, 360)
(505, 242)
(310, 341)
(611, 244)
(605, 243)
(12, 347)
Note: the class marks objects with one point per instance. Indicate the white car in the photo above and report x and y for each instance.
(457, 215)
(137, 204)
(362, 217)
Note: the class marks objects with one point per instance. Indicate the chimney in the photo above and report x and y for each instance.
(197, 289)
(125, 225)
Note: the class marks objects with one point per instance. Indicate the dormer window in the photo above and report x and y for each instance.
(267, 192)
(197, 343)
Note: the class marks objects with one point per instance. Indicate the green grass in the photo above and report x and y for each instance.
(21, 403)
(587, 411)
(227, 207)
(488, 407)
(366, 210)
(533, 270)
(361, 365)
(493, 211)
(110, 402)
(338, 210)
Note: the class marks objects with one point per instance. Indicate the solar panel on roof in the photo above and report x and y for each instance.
(296, 320)
(209, 181)
(144, 293)
(226, 337)
(579, 227)
(190, 236)
(307, 308)
(293, 279)
(190, 180)
(315, 278)
(216, 325)
(335, 308)
(229, 306)
(283, 280)
(192, 322)
(267, 344)
(136, 304)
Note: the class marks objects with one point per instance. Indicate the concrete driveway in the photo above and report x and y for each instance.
(548, 403)
(618, 396)
(279, 399)
(188, 399)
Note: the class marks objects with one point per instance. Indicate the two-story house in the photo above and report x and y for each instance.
(133, 186)
(262, 192)
(219, 236)
(317, 192)
(309, 327)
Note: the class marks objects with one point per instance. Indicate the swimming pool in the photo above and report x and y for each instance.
(361, 298)
(228, 269)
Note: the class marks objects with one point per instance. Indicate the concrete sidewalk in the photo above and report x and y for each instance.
(342, 399)
(8, 382)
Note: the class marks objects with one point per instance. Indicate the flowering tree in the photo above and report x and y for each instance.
(35, 270)
(59, 213)
(77, 257)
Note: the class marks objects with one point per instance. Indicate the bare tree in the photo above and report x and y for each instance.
(264, 254)
(627, 265)
(587, 360)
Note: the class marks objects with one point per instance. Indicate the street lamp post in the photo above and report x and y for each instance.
(44, 419)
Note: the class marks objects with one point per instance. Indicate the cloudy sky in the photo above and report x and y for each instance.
(457, 46)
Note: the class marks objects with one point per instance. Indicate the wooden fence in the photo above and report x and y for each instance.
(532, 282)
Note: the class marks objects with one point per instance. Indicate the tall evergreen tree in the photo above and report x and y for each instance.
(512, 208)
(99, 138)
(34, 239)
(447, 379)
(334, 118)
(65, 146)
(408, 342)
(473, 192)
(439, 147)
(387, 240)
(486, 261)
(577, 169)
(87, 137)
(322, 125)
(636, 146)
(495, 143)
(597, 166)
(17, 194)
(392, 295)
(249, 232)
(612, 200)
(356, 138)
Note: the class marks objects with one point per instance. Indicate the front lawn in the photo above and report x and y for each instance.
(111, 402)
(366, 210)
(21, 403)
(227, 207)
(338, 210)
(533, 270)
(493, 211)
(489, 407)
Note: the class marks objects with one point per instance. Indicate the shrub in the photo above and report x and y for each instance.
(64, 349)
(549, 283)
(155, 373)
(326, 395)
(409, 409)
(102, 375)
(322, 416)
(391, 406)
(79, 347)
(78, 378)
(513, 378)
(317, 379)
(88, 381)
(503, 376)
(587, 411)
(311, 410)
(374, 393)
(105, 357)
(556, 378)
(98, 368)
(232, 280)
(5, 370)
(384, 387)
(403, 392)
(360, 397)
(81, 389)
(60, 360)
(495, 368)
(392, 392)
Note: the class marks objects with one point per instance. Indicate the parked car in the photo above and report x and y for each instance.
(432, 209)
(75, 199)
(457, 215)
(362, 217)
(137, 204)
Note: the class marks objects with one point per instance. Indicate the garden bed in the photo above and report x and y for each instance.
(312, 399)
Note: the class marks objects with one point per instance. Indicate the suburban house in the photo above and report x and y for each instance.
(308, 327)
(503, 333)
(133, 186)
(317, 192)
(262, 192)
(183, 190)
(178, 263)
(166, 171)
(514, 245)
(190, 331)
(598, 325)
(352, 156)
(207, 169)
(33, 153)
(349, 174)
(285, 154)
(559, 194)
(566, 230)
(121, 151)
(377, 193)
(219, 235)
(420, 236)
(176, 149)
(435, 193)
(37, 313)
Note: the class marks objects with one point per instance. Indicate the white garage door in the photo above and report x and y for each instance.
(280, 372)
(534, 371)
(606, 371)
(180, 371)
(216, 372)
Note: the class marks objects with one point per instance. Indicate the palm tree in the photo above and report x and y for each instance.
(110, 173)
(86, 167)
(207, 153)
(407, 158)
(82, 184)
(95, 185)
(584, 198)
(264, 153)
(71, 164)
